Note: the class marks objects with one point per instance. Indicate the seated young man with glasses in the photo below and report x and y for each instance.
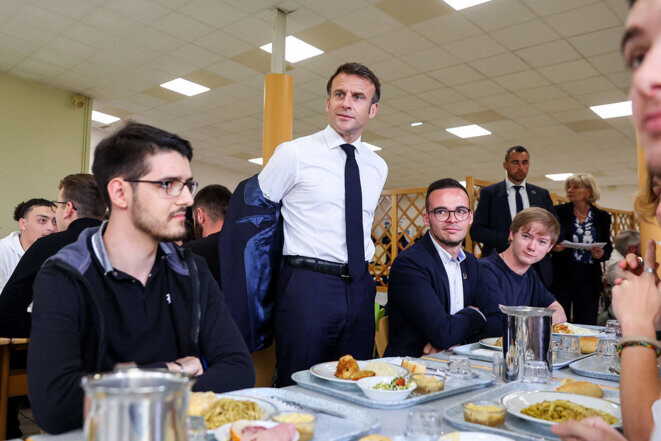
(123, 292)
(436, 298)
(507, 275)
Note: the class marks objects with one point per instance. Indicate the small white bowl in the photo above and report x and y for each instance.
(367, 386)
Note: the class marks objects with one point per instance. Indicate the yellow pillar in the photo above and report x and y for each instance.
(278, 112)
(648, 230)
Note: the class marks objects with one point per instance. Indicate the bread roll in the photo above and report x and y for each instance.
(414, 367)
(588, 344)
(375, 438)
(582, 388)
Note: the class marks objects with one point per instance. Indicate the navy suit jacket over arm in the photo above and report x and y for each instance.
(419, 302)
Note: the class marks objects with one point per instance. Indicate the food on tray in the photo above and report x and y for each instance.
(304, 423)
(375, 438)
(347, 369)
(219, 411)
(563, 410)
(382, 369)
(568, 328)
(414, 367)
(486, 413)
(397, 383)
(427, 384)
(498, 342)
(244, 430)
(580, 387)
(588, 344)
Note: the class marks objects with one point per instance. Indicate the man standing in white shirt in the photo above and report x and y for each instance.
(329, 185)
(35, 219)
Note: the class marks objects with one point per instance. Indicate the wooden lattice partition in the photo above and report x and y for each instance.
(398, 223)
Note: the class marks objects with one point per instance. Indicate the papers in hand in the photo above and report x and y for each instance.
(582, 246)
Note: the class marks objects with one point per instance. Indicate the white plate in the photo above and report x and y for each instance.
(473, 436)
(267, 407)
(489, 343)
(517, 401)
(223, 432)
(580, 331)
(326, 371)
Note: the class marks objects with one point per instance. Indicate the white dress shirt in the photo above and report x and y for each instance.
(307, 175)
(11, 252)
(511, 196)
(455, 276)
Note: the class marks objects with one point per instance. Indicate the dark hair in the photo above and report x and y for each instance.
(82, 191)
(361, 71)
(24, 208)
(631, 2)
(516, 148)
(213, 199)
(123, 153)
(443, 184)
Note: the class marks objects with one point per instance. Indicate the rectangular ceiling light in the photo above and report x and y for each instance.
(416, 124)
(559, 176)
(463, 4)
(103, 118)
(295, 49)
(371, 146)
(184, 87)
(613, 110)
(258, 161)
(470, 131)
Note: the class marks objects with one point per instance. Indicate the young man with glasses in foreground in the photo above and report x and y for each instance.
(124, 293)
(435, 296)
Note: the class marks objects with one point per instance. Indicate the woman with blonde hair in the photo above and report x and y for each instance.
(577, 272)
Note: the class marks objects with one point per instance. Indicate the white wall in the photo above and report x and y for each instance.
(206, 174)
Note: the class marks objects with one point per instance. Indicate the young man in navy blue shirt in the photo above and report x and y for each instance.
(507, 275)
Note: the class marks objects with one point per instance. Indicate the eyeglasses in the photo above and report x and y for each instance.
(442, 215)
(172, 187)
(53, 206)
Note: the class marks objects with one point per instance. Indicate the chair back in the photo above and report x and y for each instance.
(381, 336)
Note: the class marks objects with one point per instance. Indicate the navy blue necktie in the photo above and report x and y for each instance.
(353, 213)
(518, 198)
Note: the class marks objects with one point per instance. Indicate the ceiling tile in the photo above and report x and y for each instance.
(598, 42)
(480, 88)
(252, 30)
(301, 19)
(531, 33)
(417, 83)
(367, 22)
(363, 51)
(144, 11)
(212, 12)
(392, 69)
(572, 70)
(336, 7)
(500, 100)
(487, 116)
(196, 56)
(430, 59)
(443, 96)
(112, 22)
(545, 7)
(539, 94)
(587, 85)
(502, 64)
(521, 80)
(608, 63)
(423, 10)
(182, 26)
(550, 53)
(447, 28)
(454, 75)
(41, 18)
(74, 9)
(558, 105)
(500, 14)
(401, 42)
(328, 36)
(588, 125)
(24, 31)
(464, 107)
(474, 48)
(587, 19)
(233, 70)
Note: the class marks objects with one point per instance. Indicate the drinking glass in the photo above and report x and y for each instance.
(535, 371)
(423, 424)
(459, 366)
(497, 364)
(607, 347)
(197, 429)
(569, 344)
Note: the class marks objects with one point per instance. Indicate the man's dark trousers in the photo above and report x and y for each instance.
(321, 317)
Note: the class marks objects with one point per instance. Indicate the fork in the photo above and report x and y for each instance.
(614, 371)
(299, 406)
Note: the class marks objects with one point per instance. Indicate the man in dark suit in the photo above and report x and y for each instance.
(209, 210)
(500, 202)
(435, 296)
